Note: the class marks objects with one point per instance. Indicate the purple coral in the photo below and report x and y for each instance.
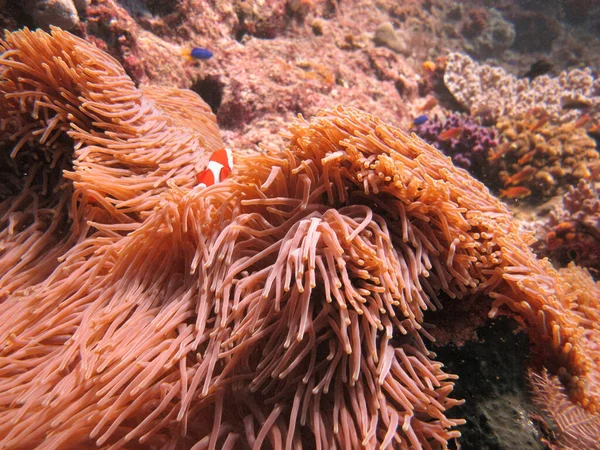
(573, 230)
(583, 203)
(469, 149)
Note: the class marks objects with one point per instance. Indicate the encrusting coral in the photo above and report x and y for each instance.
(280, 308)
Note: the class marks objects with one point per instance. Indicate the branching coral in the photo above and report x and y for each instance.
(542, 158)
(280, 308)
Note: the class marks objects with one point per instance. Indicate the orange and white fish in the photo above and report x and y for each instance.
(219, 167)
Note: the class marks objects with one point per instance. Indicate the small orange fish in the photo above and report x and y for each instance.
(219, 167)
(582, 121)
(500, 151)
(429, 104)
(527, 157)
(515, 192)
(523, 175)
(450, 134)
(594, 129)
(540, 123)
(565, 227)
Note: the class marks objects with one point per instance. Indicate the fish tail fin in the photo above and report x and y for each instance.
(186, 53)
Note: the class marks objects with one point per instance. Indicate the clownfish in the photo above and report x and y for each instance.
(192, 54)
(219, 167)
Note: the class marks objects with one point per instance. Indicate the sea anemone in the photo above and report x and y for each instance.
(280, 308)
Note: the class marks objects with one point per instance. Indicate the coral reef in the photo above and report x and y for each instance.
(546, 158)
(477, 86)
(60, 13)
(282, 307)
(113, 30)
(535, 31)
(470, 146)
(572, 231)
(493, 37)
(256, 42)
(475, 23)
(265, 20)
(386, 36)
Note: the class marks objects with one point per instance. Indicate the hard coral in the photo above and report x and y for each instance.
(280, 308)
(476, 86)
(572, 232)
(470, 147)
(543, 158)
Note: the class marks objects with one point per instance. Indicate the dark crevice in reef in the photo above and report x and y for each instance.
(492, 380)
(211, 91)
